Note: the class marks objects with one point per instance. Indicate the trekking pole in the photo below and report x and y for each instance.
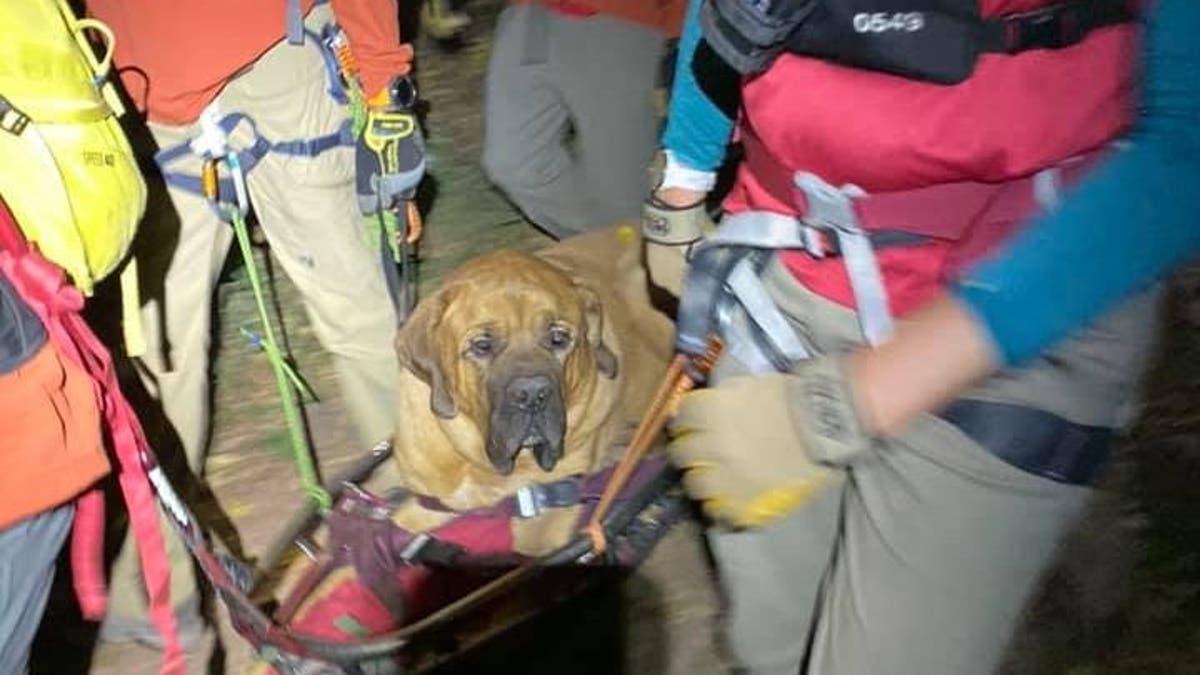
(682, 375)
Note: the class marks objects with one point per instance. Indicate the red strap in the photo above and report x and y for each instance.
(87, 555)
(43, 286)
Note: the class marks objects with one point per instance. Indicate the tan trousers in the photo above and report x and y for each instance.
(923, 558)
(308, 210)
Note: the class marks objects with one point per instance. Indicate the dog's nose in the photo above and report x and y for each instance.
(530, 392)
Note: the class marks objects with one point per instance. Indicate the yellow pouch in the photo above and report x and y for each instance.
(66, 169)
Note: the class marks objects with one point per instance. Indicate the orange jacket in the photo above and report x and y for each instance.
(50, 444)
(665, 16)
(175, 56)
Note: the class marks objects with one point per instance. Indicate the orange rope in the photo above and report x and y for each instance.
(675, 384)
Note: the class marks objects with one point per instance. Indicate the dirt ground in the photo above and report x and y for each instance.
(1125, 599)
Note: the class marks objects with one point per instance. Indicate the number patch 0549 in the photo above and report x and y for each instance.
(883, 22)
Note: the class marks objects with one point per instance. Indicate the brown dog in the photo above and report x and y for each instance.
(526, 368)
(530, 368)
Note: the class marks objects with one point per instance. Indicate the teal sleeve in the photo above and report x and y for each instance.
(1120, 230)
(697, 131)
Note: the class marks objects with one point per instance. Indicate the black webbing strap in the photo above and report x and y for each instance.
(1053, 27)
(1036, 441)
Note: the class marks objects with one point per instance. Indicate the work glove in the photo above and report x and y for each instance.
(390, 152)
(758, 447)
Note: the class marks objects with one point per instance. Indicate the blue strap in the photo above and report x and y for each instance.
(333, 70)
(248, 157)
(295, 23)
(314, 146)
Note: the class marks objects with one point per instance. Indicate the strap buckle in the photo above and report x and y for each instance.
(414, 547)
(536, 498)
(12, 120)
(426, 549)
(1054, 27)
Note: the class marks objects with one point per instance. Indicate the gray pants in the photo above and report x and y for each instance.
(921, 560)
(28, 550)
(551, 74)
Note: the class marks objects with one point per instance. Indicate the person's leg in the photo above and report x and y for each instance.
(771, 576)
(308, 209)
(941, 546)
(525, 125)
(935, 544)
(28, 550)
(180, 249)
(607, 70)
(942, 541)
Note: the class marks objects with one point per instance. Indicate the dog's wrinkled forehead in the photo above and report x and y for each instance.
(509, 299)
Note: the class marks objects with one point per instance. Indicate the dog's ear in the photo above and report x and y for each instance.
(593, 313)
(416, 346)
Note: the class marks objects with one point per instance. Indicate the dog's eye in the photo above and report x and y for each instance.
(481, 347)
(559, 337)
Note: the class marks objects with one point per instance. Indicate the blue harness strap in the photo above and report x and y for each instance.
(295, 23)
(248, 157)
(333, 72)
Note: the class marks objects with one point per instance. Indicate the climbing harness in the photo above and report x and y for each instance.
(724, 293)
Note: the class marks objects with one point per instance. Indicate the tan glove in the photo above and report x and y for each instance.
(756, 448)
(669, 233)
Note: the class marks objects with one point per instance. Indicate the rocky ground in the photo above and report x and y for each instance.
(1126, 598)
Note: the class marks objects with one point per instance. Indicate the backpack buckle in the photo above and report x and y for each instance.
(535, 498)
(1054, 27)
(12, 120)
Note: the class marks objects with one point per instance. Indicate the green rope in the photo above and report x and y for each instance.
(274, 353)
(390, 222)
(385, 219)
(283, 372)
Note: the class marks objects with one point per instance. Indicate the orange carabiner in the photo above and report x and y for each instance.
(209, 184)
(416, 226)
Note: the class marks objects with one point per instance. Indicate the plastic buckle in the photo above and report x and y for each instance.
(538, 497)
(414, 547)
(12, 120)
(357, 501)
(829, 207)
(1050, 28)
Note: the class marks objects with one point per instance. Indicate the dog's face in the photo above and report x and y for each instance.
(514, 345)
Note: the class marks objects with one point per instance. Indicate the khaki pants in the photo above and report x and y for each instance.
(923, 558)
(308, 210)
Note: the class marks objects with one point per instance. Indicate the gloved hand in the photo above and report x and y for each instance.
(755, 448)
(390, 153)
(669, 232)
